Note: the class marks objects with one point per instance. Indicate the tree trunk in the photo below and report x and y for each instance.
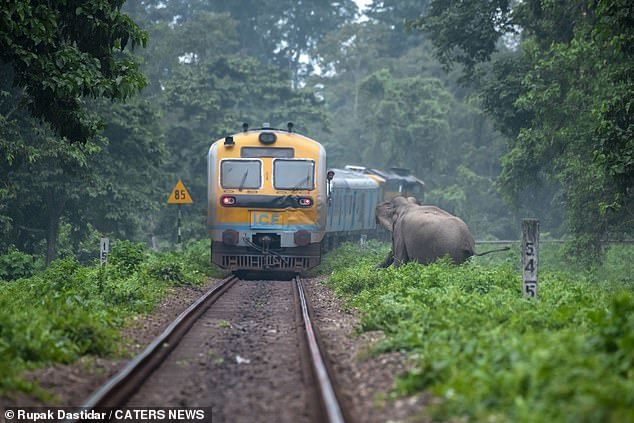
(51, 238)
(55, 209)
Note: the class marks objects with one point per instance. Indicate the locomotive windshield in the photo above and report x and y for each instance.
(293, 174)
(241, 174)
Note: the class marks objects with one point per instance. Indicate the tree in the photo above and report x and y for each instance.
(280, 32)
(197, 39)
(386, 92)
(405, 123)
(394, 15)
(564, 98)
(62, 52)
(103, 182)
(466, 32)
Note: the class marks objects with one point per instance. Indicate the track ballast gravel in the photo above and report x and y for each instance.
(242, 358)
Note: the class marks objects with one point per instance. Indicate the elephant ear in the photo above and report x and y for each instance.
(386, 223)
(384, 214)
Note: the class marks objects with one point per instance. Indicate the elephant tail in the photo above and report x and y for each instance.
(493, 251)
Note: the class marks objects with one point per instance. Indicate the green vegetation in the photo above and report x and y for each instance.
(556, 78)
(204, 78)
(505, 109)
(16, 264)
(390, 103)
(488, 354)
(70, 310)
(54, 55)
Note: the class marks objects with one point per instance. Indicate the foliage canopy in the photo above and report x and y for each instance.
(59, 52)
(564, 97)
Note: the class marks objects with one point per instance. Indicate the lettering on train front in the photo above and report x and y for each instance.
(265, 219)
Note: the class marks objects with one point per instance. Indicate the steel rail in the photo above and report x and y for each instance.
(121, 386)
(326, 389)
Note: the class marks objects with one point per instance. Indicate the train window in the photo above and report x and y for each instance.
(391, 185)
(416, 189)
(280, 153)
(241, 174)
(293, 174)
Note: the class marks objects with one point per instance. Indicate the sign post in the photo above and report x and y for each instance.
(530, 256)
(104, 249)
(179, 239)
(179, 196)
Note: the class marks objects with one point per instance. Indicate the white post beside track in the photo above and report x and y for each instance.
(530, 256)
(104, 249)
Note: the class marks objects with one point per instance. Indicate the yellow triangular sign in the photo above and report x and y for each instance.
(180, 195)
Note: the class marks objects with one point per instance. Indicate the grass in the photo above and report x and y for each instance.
(616, 265)
(68, 310)
(488, 354)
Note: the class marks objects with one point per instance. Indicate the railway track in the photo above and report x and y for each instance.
(237, 301)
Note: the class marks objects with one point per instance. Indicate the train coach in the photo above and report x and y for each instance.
(274, 207)
(353, 197)
(355, 192)
(393, 182)
(266, 200)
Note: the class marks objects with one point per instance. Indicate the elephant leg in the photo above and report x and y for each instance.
(388, 261)
(400, 252)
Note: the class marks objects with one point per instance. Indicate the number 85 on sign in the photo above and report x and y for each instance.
(179, 194)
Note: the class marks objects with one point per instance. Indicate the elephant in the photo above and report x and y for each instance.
(424, 233)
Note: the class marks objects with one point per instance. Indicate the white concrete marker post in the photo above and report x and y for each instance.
(530, 256)
(104, 249)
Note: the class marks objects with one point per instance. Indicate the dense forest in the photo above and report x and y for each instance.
(506, 109)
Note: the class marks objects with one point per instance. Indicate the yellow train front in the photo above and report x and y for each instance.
(267, 201)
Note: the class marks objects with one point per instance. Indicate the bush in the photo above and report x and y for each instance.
(70, 310)
(126, 256)
(16, 264)
(487, 353)
(165, 268)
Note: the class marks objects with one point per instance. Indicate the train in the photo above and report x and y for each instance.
(274, 206)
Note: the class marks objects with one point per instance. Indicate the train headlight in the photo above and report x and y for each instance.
(302, 238)
(305, 201)
(230, 237)
(228, 200)
(267, 137)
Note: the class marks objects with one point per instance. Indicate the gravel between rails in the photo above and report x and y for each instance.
(241, 358)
